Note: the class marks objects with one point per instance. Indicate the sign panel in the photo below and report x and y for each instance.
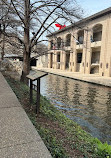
(34, 75)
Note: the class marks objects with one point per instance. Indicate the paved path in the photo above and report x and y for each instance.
(91, 78)
(18, 137)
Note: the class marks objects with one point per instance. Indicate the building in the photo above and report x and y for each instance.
(84, 47)
(40, 56)
(42, 61)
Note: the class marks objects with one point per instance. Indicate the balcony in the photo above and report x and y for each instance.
(56, 48)
(67, 48)
(79, 46)
(96, 44)
(95, 59)
(62, 47)
(58, 65)
(94, 68)
(94, 65)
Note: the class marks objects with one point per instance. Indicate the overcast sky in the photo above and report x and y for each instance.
(93, 6)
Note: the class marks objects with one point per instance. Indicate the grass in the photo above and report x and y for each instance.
(63, 137)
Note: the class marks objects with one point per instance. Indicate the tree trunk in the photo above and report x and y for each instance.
(2, 53)
(26, 57)
(27, 48)
(3, 43)
(26, 66)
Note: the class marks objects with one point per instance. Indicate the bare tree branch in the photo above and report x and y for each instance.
(17, 12)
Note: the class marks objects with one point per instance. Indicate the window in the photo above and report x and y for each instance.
(107, 66)
(79, 57)
(68, 40)
(81, 37)
(58, 57)
(97, 36)
(97, 32)
(58, 42)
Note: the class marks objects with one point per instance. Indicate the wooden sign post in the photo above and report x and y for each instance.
(38, 96)
(31, 91)
(33, 76)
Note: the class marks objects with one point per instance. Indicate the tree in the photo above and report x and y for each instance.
(3, 13)
(8, 36)
(38, 17)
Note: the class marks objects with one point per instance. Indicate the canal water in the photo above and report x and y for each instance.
(87, 104)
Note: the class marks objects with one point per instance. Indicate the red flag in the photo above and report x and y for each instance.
(60, 26)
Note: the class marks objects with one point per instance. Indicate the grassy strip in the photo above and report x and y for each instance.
(62, 136)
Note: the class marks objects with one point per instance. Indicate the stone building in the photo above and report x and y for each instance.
(42, 61)
(84, 47)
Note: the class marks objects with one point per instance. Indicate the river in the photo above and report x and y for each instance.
(87, 104)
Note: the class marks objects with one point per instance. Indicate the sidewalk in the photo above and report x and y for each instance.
(18, 137)
(90, 78)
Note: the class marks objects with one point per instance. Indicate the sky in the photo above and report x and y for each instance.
(91, 7)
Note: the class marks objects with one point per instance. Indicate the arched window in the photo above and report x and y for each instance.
(81, 37)
(68, 40)
(58, 42)
(97, 32)
(51, 44)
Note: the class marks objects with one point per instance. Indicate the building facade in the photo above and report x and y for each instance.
(42, 61)
(84, 47)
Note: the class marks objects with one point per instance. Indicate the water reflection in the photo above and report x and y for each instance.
(87, 104)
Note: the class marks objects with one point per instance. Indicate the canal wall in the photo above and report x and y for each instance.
(90, 78)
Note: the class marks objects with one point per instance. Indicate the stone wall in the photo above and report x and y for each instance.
(12, 65)
(42, 61)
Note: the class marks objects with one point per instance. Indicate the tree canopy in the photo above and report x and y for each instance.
(28, 20)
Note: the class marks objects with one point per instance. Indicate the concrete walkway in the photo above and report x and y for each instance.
(18, 137)
(90, 78)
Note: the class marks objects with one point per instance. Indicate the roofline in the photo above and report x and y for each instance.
(92, 17)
